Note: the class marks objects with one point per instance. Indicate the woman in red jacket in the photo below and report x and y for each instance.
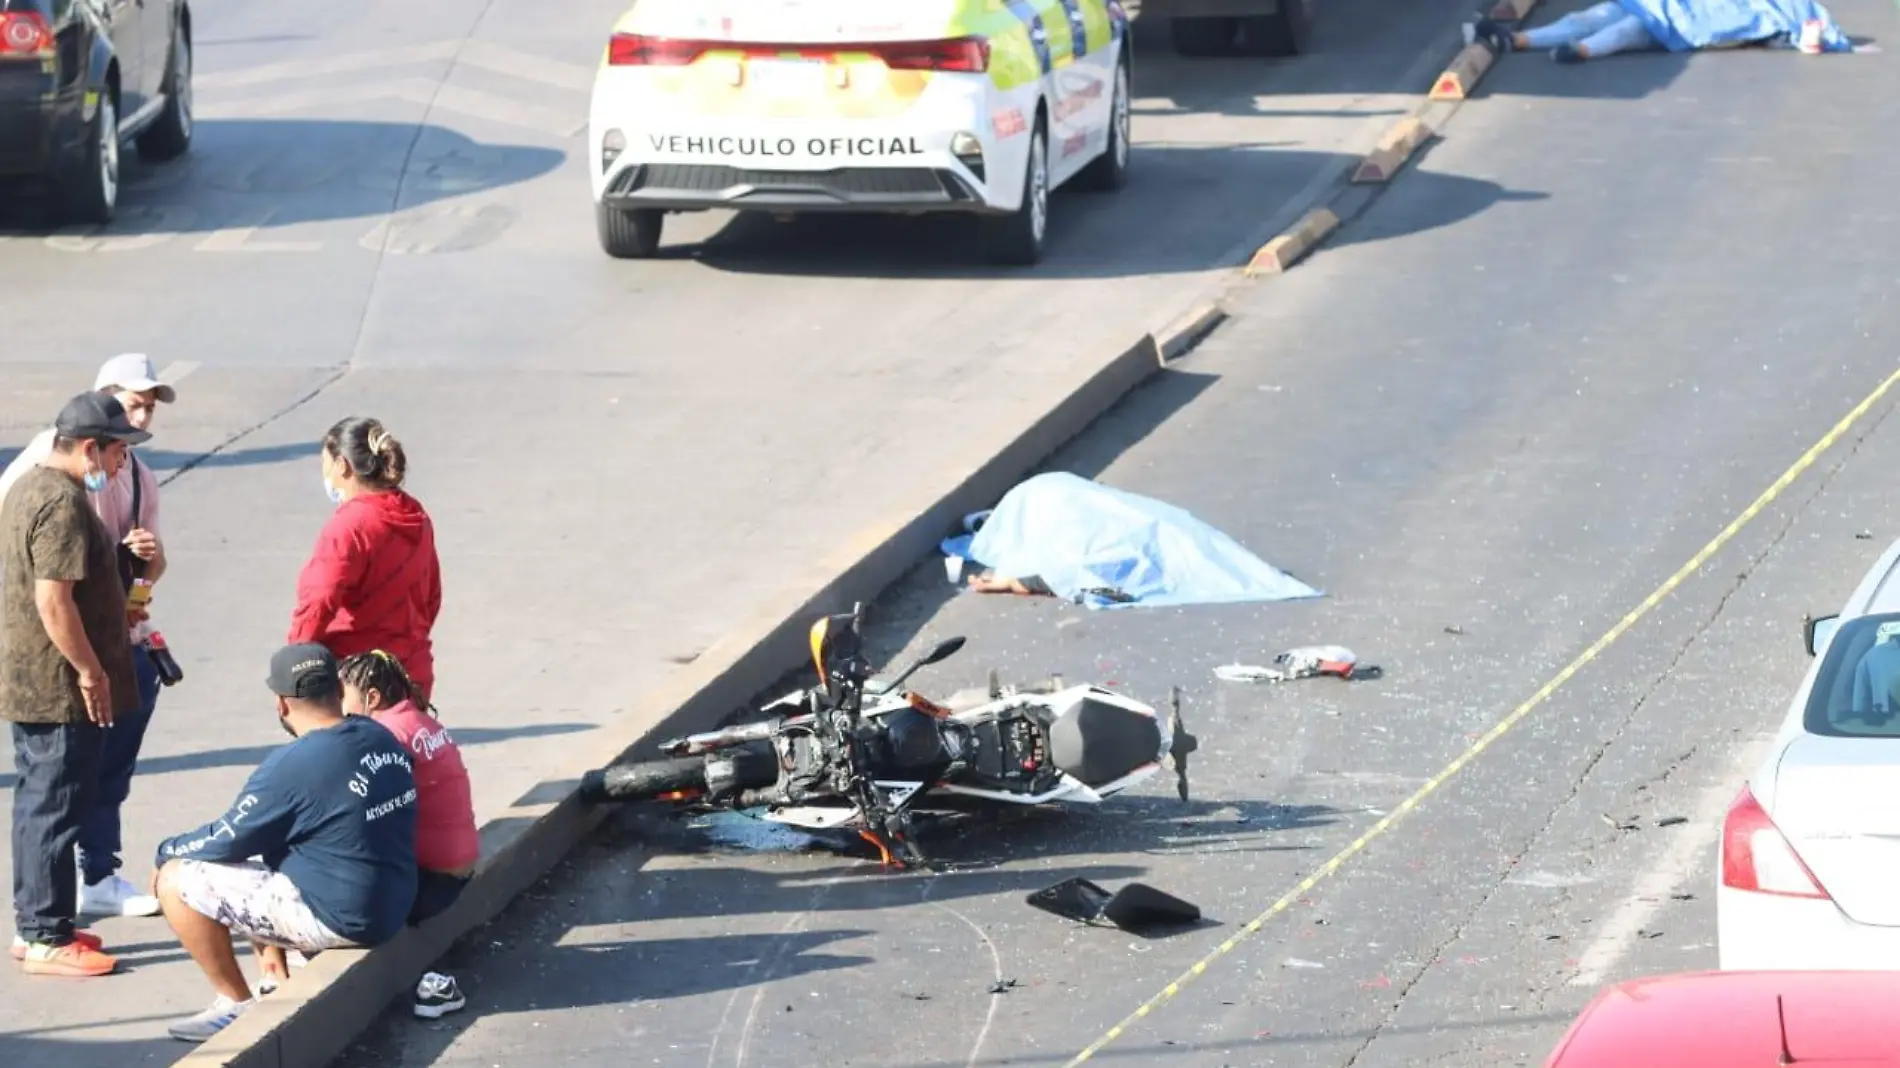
(373, 581)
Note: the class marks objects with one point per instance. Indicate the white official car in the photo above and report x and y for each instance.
(786, 106)
(1809, 857)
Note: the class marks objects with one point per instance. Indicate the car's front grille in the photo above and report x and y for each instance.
(850, 184)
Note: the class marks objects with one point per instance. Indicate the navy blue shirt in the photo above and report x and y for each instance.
(335, 812)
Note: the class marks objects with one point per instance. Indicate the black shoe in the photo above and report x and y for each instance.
(1496, 37)
(1567, 53)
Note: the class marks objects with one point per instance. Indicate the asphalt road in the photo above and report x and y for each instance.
(1488, 443)
(384, 213)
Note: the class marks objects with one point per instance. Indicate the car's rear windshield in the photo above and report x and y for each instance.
(1857, 689)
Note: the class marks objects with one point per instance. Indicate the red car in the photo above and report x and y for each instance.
(1739, 1020)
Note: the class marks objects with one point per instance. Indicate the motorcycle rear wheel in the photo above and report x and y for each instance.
(644, 780)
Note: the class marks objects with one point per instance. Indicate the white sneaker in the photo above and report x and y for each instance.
(115, 896)
(209, 1022)
(437, 995)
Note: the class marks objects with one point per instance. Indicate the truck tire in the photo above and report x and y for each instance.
(1202, 37)
(1285, 32)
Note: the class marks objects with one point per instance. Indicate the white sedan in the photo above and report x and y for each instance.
(1809, 872)
(972, 106)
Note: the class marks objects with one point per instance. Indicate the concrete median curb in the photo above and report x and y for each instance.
(1397, 146)
(1401, 142)
(1463, 73)
(1291, 247)
(314, 1017)
(1512, 10)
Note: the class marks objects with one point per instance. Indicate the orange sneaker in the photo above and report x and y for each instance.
(74, 959)
(84, 938)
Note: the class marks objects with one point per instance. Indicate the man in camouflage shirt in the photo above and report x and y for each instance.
(65, 671)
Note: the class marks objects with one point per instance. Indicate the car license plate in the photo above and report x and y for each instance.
(786, 77)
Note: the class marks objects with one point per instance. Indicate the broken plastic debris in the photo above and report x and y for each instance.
(1304, 662)
(1136, 907)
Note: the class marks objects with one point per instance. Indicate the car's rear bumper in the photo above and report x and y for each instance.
(38, 124)
(29, 137)
(697, 186)
(1770, 932)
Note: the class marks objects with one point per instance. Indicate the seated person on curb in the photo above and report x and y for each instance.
(447, 846)
(331, 817)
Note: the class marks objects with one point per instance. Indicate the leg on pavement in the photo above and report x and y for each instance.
(57, 767)
(204, 937)
(1573, 27)
(1627, 34)
(104, 892)
(437, 994)
(207, 903)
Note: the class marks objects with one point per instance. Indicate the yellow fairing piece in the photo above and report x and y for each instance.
(817, 637)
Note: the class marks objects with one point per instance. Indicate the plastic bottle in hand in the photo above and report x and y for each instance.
(169, 673)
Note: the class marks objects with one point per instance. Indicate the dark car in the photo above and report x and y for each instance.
(77, 77)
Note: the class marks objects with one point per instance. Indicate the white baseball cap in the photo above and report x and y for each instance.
(133, 372)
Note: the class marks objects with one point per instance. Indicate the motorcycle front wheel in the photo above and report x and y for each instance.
(644, 780)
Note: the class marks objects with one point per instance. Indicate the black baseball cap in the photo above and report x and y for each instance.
(94, 416)
(306, 671)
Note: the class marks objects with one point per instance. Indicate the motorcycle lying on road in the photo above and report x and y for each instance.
(854, 755)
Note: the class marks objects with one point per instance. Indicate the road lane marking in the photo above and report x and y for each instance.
(527, 66)
(1616, 935)
(316, 68)
(432, 96)
(1498, 730)
(177, 370)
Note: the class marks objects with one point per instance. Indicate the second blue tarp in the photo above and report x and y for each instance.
(1108, 548)
(1687, 25)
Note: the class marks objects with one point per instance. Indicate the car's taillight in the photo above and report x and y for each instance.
(1756, 857)
(962, 55)
(25, 35)
(637, 50)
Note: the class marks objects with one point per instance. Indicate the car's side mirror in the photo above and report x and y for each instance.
(1815, 632)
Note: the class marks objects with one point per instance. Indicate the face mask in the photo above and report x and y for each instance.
(95, 480)
(335, 495)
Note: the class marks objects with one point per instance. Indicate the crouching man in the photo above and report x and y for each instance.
(316, 853)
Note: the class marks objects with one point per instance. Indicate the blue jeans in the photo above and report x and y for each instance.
(99, 841)
(58, 769)
(1603, 29)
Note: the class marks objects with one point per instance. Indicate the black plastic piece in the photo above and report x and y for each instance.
(1137, 908)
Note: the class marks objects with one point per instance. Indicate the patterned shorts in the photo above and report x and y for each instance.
(255, 902)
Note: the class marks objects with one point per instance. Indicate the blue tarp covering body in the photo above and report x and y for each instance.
(1686, 25)
(1076, 536)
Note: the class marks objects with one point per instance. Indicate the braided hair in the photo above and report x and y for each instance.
(379, 671)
